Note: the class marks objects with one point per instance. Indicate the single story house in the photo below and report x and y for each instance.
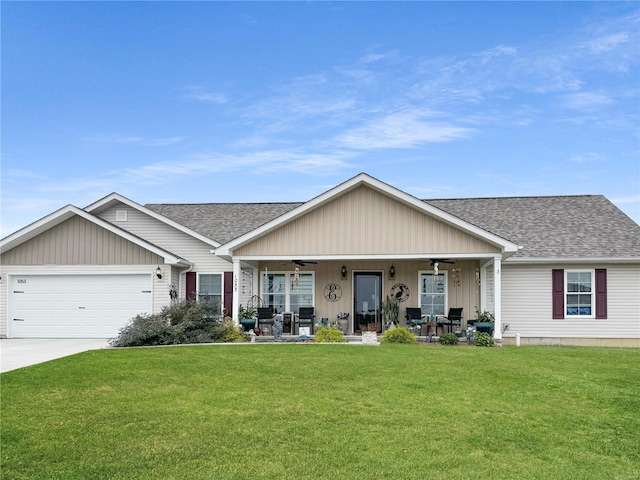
(552, 270)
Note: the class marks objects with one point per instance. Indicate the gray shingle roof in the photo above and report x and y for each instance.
(583, 226)
(222, 222)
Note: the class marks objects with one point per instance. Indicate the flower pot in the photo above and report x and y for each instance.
(370, 338)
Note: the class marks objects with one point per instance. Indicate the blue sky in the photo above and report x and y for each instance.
(181, 102)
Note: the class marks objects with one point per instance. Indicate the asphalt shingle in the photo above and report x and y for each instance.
(581, 226)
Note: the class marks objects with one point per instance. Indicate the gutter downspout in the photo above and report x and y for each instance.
(183, 276)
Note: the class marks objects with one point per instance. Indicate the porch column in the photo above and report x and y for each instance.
(236, 292)
(497, 298)
(483, 288)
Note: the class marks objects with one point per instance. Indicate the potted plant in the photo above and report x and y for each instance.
(484, 322)
(370, 333)
(247, 317)
(390, 310)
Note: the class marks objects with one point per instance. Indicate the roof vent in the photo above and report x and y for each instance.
(121, 215)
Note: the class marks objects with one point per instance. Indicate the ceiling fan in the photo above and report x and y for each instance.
(440, 260)
(436, 261)
(302, 263)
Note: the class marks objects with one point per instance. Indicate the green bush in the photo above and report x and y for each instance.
(398, 335)
(183, 322)
(229, 333)
(448, 339)
(483, 339)
(144, 330)
(330, 334)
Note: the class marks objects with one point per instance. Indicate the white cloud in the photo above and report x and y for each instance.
(200, 94)
(401, 130)
(587, 100)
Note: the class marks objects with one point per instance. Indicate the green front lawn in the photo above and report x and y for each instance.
(303, 411)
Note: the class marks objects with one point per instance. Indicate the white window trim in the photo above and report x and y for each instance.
(592, 293)
(198, 293)
(446, 287)
(288, 276)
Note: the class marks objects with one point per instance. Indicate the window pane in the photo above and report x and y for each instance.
(210, 291)
(432, 294)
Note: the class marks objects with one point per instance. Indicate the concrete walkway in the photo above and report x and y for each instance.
(22, 352)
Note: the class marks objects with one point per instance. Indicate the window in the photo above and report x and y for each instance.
(579, 293)
(433, 293)
(287, 292)
(273, 291)
(210, 290)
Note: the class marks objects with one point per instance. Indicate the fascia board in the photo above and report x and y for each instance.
(389, 256)
(557, 260)
(104, 202)
(364, 179)
(36, 228)
(69, 211)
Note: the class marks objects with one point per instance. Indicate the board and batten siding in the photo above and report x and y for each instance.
(365, 222)
(527, 304)
(77, 241)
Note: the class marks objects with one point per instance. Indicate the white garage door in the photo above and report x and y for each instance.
(76, 306)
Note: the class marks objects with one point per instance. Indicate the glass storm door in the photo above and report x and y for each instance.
(367, 288)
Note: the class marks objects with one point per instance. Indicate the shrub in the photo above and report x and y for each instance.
(483, 339)
(448, 339)
(183, 322)
(329, 334)
(229, 333)
(398, 335)
(144, 330)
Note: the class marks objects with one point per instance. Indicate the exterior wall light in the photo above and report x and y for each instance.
(343, 271)
(159, 272)
(392, 271)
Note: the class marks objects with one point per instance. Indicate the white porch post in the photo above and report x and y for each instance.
(483, 288)
(236, 292)
(497, 298)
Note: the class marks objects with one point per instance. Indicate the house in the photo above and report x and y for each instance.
(559, 270)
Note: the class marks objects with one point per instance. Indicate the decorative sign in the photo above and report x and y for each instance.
(333, 292)
(400, 291)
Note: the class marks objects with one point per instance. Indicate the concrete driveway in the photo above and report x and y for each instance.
(22, 352)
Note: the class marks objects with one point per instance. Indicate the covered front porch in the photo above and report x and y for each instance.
(349, 292)
(345, 251)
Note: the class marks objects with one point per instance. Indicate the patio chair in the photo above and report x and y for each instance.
(414, 318)
(454, 317)
(305, 317)
(265, 317)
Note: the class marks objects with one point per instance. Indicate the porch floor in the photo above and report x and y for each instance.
(351, 338)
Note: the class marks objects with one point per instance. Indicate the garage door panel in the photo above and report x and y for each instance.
(81, 306)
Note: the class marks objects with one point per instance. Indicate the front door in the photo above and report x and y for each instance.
(367, 288)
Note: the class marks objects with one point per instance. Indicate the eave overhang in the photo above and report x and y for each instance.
(115, 198)
(506, 247)
(65, 213)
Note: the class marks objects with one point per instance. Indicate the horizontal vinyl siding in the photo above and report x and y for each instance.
(78, 242)
(527, 304)
(365, 221)
(172, 240)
